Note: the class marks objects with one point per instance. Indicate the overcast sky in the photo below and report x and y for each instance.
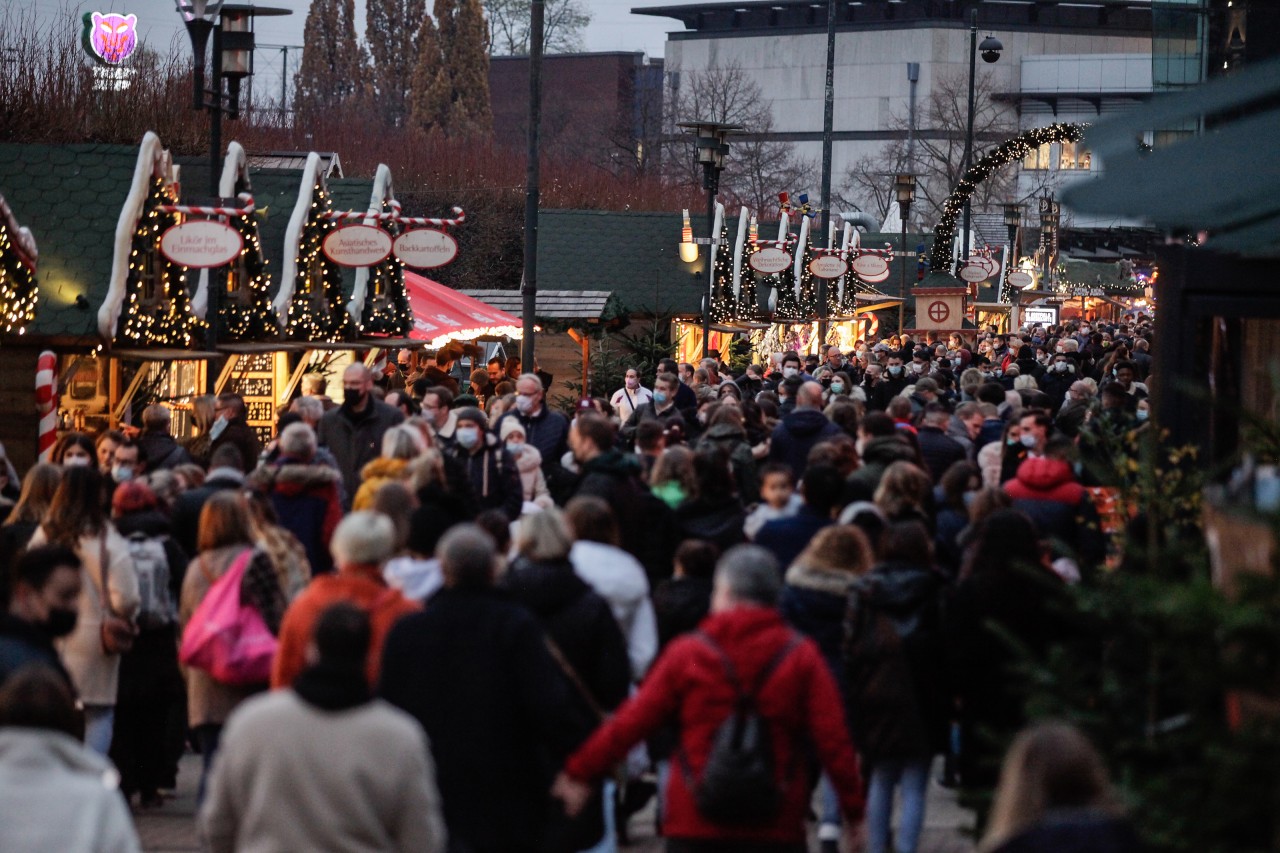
(613, 27)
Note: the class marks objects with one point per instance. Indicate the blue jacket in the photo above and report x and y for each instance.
(796, 434)
(786, 537)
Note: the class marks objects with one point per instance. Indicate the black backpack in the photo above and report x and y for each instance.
(739, 786)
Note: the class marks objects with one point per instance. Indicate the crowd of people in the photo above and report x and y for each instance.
(440, 614)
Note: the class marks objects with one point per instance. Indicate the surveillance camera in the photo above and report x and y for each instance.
(990, 49)
(990, 56)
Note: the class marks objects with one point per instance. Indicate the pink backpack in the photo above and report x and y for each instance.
(227, 638)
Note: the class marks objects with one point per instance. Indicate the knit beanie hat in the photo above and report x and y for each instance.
(471, 413)
(510, 425)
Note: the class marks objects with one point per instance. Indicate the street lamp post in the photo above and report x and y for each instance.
(990, 48)
(711, 139)
(1012, 221)
(904, 185)
(232, 62)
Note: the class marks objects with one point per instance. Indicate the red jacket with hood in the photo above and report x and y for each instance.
(688, 685)
(1041, 479)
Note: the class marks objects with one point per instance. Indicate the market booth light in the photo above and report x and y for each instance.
(688, 248)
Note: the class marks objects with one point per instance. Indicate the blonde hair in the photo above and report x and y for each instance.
(903, 487)
(544, 536)
(1050, 765)
(202, 411)
(428, 468)
(838, 548)
(402, 442)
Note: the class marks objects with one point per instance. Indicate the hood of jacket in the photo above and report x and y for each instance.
(384, 469)
(529, 460)
(613, 462)
(829, 581)
(726, 433)
(1044, 475)
(887, 449)
(545, 587)
(898, 588)
(291, 478)
(805, 422)
(45, 750)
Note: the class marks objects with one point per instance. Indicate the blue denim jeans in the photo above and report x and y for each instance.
(829, 826)
(608, 844)
(99, 726)
(912, 778)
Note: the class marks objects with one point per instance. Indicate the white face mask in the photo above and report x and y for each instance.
(122, 473)
(218, 426)
(75, 462)
(524, 403)
(788, 372)
(466, 436)
(516, 447)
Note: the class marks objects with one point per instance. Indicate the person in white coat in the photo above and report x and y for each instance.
(55, 793)
(631, 396)
(76, 520)
(615, 575)
(322, 765)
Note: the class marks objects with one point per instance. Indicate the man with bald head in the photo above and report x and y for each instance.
(800, 429)
(353, 431)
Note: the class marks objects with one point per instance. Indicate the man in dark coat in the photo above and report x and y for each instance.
(42, 607)
(304, 494)
(496, 739)
(489, 466)
(939, 450)
(797, 433)
(880, 444)
(225, 472)
(544, 428)
(231, 426)
(353, 431)
(664, 407)
(158, 447)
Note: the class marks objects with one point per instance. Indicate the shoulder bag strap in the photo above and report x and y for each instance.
(104, 594)
(567, 668)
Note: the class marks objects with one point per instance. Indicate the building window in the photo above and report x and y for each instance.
(1075, 157)
(1038, 159)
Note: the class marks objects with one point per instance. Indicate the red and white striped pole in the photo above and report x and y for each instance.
(47, 402)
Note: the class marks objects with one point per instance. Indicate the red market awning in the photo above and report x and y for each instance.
(441, 314)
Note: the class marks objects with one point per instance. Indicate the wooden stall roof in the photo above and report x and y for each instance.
(591, 305)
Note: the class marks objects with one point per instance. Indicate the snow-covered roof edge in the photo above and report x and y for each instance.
(293, 238)
(234, 166)
(24, 242)
(382, 191)
(153, 159)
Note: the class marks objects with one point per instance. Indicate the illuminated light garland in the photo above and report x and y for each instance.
(18, 290)
(1007, 152)
(317, 311)
(245, 318)
(723, 309)
(162, 318)
(787, 308)
(386, 304)
(748, 308)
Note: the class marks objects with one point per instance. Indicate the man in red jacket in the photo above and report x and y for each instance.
(690, 686)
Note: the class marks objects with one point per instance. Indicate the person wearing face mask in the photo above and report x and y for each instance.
(534, 491)
(895, 378)
(42, 608)
(490, 467)
(630, 396)
(1058, 378)
(74, 449)
(661, 407)
(353, 431)
(127, 462)
(231, 426)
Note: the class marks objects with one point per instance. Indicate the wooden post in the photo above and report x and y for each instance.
(585, 342)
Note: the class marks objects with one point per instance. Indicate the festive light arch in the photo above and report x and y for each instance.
(1007, 152)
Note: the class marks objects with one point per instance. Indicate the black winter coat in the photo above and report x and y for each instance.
(796, 434)
(1075, 831)
(493, 475)
(645, 523)
(578, 621)
(939, 451)
(718, 521)
(814, 602)
(892, 661)
(474, 669)
(679, 605)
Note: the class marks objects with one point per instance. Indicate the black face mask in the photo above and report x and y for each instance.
(351, 398)
(60, 622)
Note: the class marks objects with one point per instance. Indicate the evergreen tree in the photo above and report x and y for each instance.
(467, 59)
(721, 299)
(787, 307)
(430, 95)
(244, 310)
(334, 68)
(393, 47)
(158, 311)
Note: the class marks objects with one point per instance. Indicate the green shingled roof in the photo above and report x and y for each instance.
(70, 197)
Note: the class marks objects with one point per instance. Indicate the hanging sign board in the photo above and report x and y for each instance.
(986, 263)
(357, 246)
(1020, 280)
(974, 273)
(1047, 314)
(877, 278)
(770, 260)
(425, 248)
(828, 266)
(201, 244)
(869, 266)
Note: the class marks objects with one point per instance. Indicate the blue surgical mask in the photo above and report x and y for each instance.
(837, 387)
(659, 397)
(1143, 414)
(1028, 440)
(467, 436)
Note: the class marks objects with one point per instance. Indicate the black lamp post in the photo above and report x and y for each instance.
(232, 61)
(1012, 221)
(990, 48)
(711, 139)
(904, 185)
(1049, 217)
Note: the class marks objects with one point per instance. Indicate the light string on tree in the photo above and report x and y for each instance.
(158, 311)
(386, 308)
(18, 290)
(244, 311)
(1007, 152)
(317, 311)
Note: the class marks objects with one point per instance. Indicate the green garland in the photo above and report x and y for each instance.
(318, 310)
(163, 319)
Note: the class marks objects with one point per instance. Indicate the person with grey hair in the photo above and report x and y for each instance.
(544, 428)
(742, 652)
(310, 409)
(159, 448)
(353, 431)
(490, 735)
(362, 544)
(303, 492)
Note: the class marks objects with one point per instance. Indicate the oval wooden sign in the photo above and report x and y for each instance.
(770, 260)
(828, 266)
(974, 273)
(869, 266)
(201, 244)
(425, 248)
(357, 246)
(1020, 280)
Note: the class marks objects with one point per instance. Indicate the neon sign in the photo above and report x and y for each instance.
(110, 38)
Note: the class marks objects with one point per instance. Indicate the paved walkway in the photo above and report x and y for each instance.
(170, 829)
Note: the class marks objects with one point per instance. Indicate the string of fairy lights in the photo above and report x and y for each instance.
(244, 314)
(1007, 152)
(317, 311)
(386, 304)
(18, 291)
(158, 310)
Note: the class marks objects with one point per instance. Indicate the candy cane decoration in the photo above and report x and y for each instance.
(47, 402)
(394, 215)
(200, 210)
